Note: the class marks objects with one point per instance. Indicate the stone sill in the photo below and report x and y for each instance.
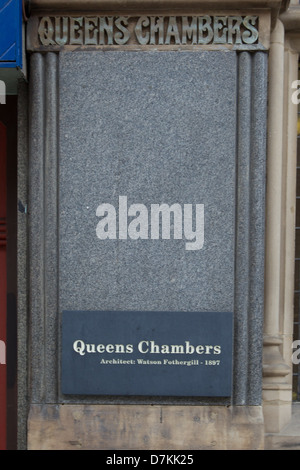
(145, 427)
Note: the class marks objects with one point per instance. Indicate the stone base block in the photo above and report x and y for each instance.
(289, 437)
(277, 399)
(145, 427)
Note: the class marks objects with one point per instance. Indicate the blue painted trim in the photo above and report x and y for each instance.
(11, 34)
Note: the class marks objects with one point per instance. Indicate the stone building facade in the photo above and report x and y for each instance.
(155, 180)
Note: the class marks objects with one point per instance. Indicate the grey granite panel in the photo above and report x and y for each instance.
(51, 225)
(157, 128)
(257, 232)
(22, 260)
(249, 291)
(43, 228)
(36, 228)
(242, 228)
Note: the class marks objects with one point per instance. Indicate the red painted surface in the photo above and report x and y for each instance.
(3, 287)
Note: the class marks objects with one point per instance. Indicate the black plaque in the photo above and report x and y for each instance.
(147, 353)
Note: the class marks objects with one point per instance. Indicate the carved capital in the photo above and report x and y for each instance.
(274, 367)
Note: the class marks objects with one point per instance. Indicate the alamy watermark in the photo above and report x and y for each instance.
(296, 100)
(296, 354)
(2, 352)
(296, 93)
(133, 222)
(2, 92)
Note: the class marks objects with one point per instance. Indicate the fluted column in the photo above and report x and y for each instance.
(276, 389)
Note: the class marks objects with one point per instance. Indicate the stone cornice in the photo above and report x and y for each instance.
(291, 23)
(291, 19)
(140, 5)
